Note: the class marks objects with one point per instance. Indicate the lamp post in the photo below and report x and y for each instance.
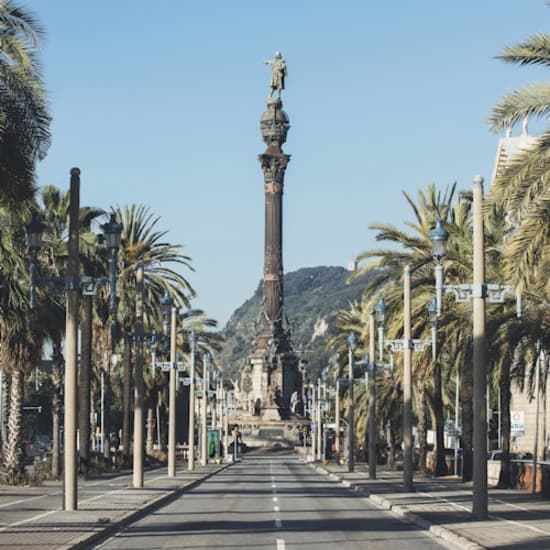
(478, 292)
(372, 400)
(352, 344)
(319, 420)
(191, 452)
(72, 284)
(139, 389)
(112, 232)
(204, 409)
(169, 310)
(72, 291)
(407, 345)
(337, 441)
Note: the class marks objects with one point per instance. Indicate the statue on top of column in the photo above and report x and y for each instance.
(278, 74)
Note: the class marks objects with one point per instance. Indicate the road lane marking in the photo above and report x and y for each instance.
(22, 522)
(276, 509)
(275, 499)
(278, 523)
(280, 544)
(28, 499)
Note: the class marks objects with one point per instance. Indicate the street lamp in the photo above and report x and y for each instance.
(407, 345)
(337, 442)
(352, 345)
(72, 284)
(204, 409)
(477, 292)
(170, 311)
(191, 453)
(139, 389)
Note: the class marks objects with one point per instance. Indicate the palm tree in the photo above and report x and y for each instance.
(141, 243)
(521, 186)
(21, 333)
(387, 263)
(24, 119)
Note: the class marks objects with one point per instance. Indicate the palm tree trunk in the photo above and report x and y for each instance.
(505, 480)
(107, 409)
(5, 410)
(422, 424)
(150, 430)
(126, 398)
(391, 444)
(466, 397)
(57, 366)
(440, 464)
(14, 451)
(84, 386)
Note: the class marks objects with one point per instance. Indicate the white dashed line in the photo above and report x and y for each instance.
(276, 509)
(280, 544)
(275, 499)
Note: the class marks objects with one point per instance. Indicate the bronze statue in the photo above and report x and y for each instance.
(278, 74)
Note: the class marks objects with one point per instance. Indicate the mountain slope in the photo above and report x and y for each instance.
(313, 295)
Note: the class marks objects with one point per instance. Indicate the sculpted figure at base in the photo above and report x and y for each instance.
(278, 74)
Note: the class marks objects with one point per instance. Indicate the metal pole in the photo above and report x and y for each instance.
(372, 399)
(204, 411)
(225, 426)
(191, 453)
(480, 496)
(337, 441)
(313, 414)
(457, 396)
(172, 397)
(71, 345)
(351, 429)
(407, 383)
(139, 384)
(489, 413)
(537, 410)
(102, 412)
(499, 446)
(319, 423)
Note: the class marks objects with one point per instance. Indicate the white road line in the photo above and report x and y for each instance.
(273, 485)
(280, 544)
(276, 509)
(278, 523)
(275, 499)
(491, 516)
(28, 499)
(23, 521)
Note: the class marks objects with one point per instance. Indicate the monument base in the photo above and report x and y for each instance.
(262, 432)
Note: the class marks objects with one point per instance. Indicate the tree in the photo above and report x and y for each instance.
(24, 119)
(21, 333)
(141, 243)
(414, 249)
(522, 186)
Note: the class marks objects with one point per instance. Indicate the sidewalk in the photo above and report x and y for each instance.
(517, 519)
(32, 518)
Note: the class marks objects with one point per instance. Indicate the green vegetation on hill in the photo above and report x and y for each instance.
(313, 296)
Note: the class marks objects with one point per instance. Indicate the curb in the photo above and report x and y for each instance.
(98, 536)
(447, 535)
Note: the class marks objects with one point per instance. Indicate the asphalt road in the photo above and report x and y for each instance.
(271, 501)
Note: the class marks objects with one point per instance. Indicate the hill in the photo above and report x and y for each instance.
(313, 296)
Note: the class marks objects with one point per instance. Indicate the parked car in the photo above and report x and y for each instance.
(497, 455)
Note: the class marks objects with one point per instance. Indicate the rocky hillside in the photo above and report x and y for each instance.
(313, 295)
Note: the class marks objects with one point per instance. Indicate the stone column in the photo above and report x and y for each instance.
(274, 127)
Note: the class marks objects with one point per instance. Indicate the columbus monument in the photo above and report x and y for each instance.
(271, 376)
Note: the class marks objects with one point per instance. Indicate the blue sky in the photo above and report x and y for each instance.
(159, 103)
